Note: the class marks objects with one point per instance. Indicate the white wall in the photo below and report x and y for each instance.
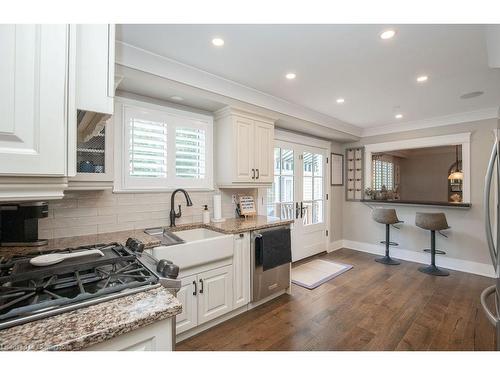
(466, 244)
(425, 177)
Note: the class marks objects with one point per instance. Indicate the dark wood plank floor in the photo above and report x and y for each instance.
(371, 307)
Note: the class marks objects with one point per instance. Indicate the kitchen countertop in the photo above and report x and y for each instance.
(62, 243)
(418, 203)
(237, 225)
(79, 329)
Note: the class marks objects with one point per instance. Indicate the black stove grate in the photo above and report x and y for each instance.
(28, 290)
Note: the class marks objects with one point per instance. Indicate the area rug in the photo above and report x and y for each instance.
(312, 274)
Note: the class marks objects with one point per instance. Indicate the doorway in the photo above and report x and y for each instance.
(299, 192)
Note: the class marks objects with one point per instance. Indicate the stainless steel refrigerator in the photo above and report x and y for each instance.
(490, 297)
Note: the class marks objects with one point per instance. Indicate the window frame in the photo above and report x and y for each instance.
(462, 139)
(174, 118)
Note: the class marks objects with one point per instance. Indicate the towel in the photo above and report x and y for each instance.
(274, 248)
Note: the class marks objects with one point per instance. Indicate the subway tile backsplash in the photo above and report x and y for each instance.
(90, 212)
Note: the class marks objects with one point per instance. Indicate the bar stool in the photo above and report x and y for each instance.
(433, 222)
(388, 217)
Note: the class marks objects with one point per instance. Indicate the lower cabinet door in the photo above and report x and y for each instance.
(241, 270)
(187, 296)
(154, 337)
(215, 293)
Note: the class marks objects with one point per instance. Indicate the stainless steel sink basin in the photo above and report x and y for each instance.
(166, 237)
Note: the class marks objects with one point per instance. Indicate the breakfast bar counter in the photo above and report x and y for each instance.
(417, 203)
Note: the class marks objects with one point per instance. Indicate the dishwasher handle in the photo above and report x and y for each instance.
(258, 249)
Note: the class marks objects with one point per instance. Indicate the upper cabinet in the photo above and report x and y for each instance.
(95, 68)
(56, 97)
(91, 154)
(34, 73)
(244, 152)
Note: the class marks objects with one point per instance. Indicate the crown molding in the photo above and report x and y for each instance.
(434, 122)
(147, 61)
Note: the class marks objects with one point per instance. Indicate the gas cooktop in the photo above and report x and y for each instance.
(30, 292)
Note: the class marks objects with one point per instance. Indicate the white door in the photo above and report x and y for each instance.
(241, 270)
(215, 293)
(243, 145)
(33, 87)
(187, 296)
(264, 139)
(299, 192)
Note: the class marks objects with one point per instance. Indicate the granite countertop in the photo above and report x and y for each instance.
(79, 329)
(418, 203)
(237, 225)
(62, 243)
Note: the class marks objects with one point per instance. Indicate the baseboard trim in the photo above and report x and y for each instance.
(336, 245)
(476, 268)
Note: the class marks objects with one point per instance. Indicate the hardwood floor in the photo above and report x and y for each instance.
(371, 307)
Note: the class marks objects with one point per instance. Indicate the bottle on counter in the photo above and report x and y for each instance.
(206, 215)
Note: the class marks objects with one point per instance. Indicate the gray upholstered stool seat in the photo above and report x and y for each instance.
(388, 217)
(432, 222)
(385, 215)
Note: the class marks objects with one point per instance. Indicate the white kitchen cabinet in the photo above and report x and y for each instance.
(215, 293)
(243, 130)
(241, 270)
(187, 296)
(34, 71)
(244, 149)
(154, 337)
(95, 67)
(95, 90)
(264, 151)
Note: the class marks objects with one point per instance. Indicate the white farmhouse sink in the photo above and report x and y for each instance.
(201, 246)
(199, 234)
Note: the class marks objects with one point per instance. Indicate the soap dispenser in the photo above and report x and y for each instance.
(206, 215)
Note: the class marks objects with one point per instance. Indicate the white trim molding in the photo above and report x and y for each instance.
(434, 122)
(286, 136)
(417, 257)
(462, 139)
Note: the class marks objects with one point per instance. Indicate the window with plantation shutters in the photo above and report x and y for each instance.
(190, 153)
(382, 174)
(147, 148)
(164, 148)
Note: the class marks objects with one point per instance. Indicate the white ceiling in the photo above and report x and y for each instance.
(376, 77)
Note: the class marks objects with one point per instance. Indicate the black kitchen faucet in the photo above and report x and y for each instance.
(173, 214)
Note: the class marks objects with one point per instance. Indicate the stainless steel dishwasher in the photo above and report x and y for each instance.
(266, 283)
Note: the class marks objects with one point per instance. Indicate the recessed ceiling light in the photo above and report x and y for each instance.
(218, 42)
(387, 34)
(473, 94)
(291, 75)
(340, 100)
(422, 78)
(398, 116)
(177, 98)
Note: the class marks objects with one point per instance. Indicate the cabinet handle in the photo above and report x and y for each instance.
(195, 288)
(253, 174)
(258, 173)
(201, 286)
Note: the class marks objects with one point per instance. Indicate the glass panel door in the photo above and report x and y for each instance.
(298, 192)
(280, 197)
(312, 191)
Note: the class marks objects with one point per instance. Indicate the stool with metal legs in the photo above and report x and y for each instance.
(432, 222)
(388, 217)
